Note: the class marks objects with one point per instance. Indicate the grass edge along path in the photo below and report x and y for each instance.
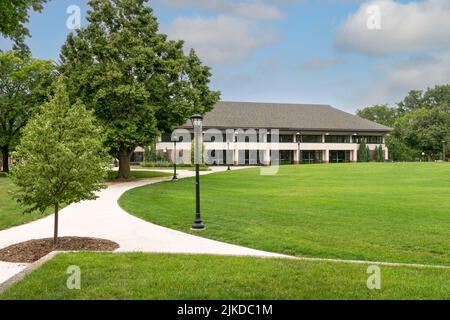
(173, 276)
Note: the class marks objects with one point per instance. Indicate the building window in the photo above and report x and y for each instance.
(368, 139)
(310, 139)
(286, 138)
(337, 139)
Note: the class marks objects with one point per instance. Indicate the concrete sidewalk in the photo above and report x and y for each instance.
(103, 218)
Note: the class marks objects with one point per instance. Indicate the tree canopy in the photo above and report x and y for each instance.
(137, 81)
(420, 121)
(381, 114)
(14, 15)
(24, 83)
(60, 157)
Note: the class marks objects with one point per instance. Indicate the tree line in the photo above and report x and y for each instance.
(420, 123)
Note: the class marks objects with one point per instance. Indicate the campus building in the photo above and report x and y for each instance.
(243, 133)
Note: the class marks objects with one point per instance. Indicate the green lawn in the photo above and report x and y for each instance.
(159, 276)
(11, 213)
(384, 212)
(190, 168)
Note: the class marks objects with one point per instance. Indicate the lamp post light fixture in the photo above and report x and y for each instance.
(175, 140)
(196, 120)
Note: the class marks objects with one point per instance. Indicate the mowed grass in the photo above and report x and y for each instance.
(160, 276)
(378, 212)
(11, 213)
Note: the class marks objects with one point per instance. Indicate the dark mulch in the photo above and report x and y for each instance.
(33, 250)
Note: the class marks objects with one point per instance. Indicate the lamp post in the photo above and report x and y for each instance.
(228, 154)
(299, 137)
(174, 139)
(196, 120)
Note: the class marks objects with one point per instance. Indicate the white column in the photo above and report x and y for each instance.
(266, 160)
(235, 157)
(296, 156)
(326, 157)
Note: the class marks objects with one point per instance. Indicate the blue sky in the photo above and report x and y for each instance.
(300, 51)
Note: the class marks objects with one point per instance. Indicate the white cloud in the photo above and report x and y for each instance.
(391, 84)
(221, 39)
(405, 27)
(247, 9)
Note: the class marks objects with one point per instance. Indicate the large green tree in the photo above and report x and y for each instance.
(381, 114)
(419, 121)
(137, 81)
(429, 99)
(425, 130)
(23, 86)
(14, 14)
(60, 156)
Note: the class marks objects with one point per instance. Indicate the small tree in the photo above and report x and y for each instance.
(363, 152)
(379, 153)
(60, 157)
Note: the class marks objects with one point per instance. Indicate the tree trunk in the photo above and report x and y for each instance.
(55, 233)
(124, 163)
(5, 156)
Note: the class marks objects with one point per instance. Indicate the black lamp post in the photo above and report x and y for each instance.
(228, 154)
(299, 137)
(196, 120)
(175, 140)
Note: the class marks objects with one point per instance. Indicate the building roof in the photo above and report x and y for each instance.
(286, 116)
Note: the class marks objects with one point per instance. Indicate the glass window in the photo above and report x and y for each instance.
(368, 139)
(286, 138)
(337, 139)
(311, 139)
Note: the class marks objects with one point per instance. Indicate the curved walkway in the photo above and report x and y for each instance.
(103, 218)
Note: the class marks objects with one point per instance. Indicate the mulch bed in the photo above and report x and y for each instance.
(33, 250)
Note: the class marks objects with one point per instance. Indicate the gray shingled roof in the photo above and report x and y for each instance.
(285, 116)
